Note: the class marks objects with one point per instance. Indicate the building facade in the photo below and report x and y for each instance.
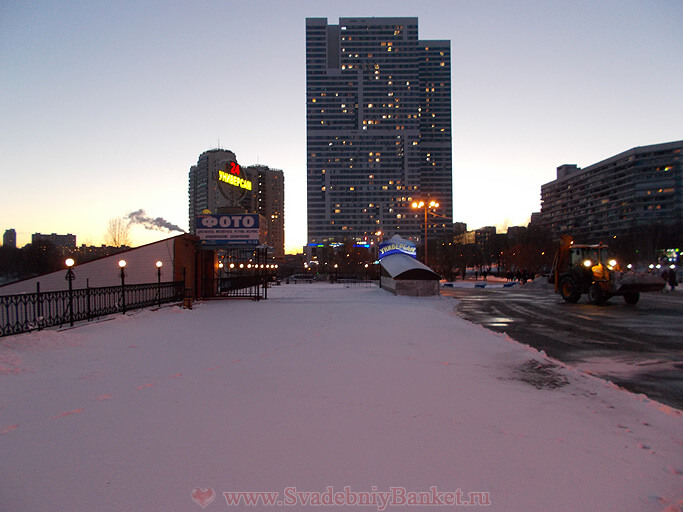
(268, 200)
(378, 113)
(62, 242)
(639, 190)
(218, 184)
(9, 239)
(203, 192)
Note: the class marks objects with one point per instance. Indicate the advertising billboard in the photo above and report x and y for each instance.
(238, 229)
(397, 245)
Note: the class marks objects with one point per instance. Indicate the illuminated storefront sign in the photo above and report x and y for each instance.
(402, 247)
(228, 229)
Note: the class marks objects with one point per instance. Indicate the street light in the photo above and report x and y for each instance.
(70, 276)
(422, 204)
(122, 266)
(159, 264)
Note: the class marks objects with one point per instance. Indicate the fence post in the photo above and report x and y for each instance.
(258, 274)
(87, 297)
(39, 305)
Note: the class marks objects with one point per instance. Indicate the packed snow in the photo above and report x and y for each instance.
(322, 392)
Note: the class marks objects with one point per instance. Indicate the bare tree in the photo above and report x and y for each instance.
(118, 232)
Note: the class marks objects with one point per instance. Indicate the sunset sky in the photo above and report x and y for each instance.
(104, 106)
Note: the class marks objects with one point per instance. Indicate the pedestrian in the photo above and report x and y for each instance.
(673, 282)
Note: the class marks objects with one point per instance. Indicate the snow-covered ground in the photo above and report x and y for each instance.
(321, 392)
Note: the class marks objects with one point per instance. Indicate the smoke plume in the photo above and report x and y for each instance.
(158, 224)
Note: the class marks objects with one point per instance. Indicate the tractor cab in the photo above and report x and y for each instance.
(593, 257)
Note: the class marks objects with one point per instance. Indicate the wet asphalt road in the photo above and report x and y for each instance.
(638, 347)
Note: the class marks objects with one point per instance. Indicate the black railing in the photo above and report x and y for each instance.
(31, 311)
(253, 286)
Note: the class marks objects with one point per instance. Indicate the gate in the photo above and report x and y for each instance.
(242, 273)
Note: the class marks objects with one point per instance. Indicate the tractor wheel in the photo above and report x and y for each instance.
(596, 295)
(631, 297)
(568, 290)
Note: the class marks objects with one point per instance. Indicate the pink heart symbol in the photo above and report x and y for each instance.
(203, 497)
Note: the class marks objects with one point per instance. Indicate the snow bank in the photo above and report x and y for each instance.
(326, 390)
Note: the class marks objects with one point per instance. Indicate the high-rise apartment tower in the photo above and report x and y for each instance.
(378, 107)
(265, 193)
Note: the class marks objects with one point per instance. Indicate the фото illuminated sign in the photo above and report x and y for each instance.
(397, 247)
(232, 176)
(240, 229)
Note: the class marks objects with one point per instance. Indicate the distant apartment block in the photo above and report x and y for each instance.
(9, 239)
(378, 117)
(262, 191)
(92, 252)
(639, 188)
(62, 242)
(268, 200)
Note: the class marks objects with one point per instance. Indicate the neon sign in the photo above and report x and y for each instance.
(235, 168)
(404, 247)
(232, 177)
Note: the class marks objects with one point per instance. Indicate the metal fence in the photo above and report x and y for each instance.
(245, 286)
(31, 311)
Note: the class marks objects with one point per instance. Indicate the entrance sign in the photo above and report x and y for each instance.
(241, 229)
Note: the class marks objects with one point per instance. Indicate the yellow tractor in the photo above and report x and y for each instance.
(588, 269)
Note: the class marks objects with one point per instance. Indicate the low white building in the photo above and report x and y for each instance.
(402, 274)
(174, 254)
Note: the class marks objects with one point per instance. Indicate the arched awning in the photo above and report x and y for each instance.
(402, 267)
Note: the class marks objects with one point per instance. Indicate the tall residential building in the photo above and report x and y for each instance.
(9, 239)
(633, 193)
(253, 189)
(378, 108)
(203, 189)
(268, 200)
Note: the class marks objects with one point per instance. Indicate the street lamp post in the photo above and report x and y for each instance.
(159, 264)
(422, 204)
(70, 276)
(122, 266)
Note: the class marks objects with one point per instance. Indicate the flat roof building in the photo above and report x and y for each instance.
(62, 242)
(378, 114)
(268, 200)
(635, 191)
